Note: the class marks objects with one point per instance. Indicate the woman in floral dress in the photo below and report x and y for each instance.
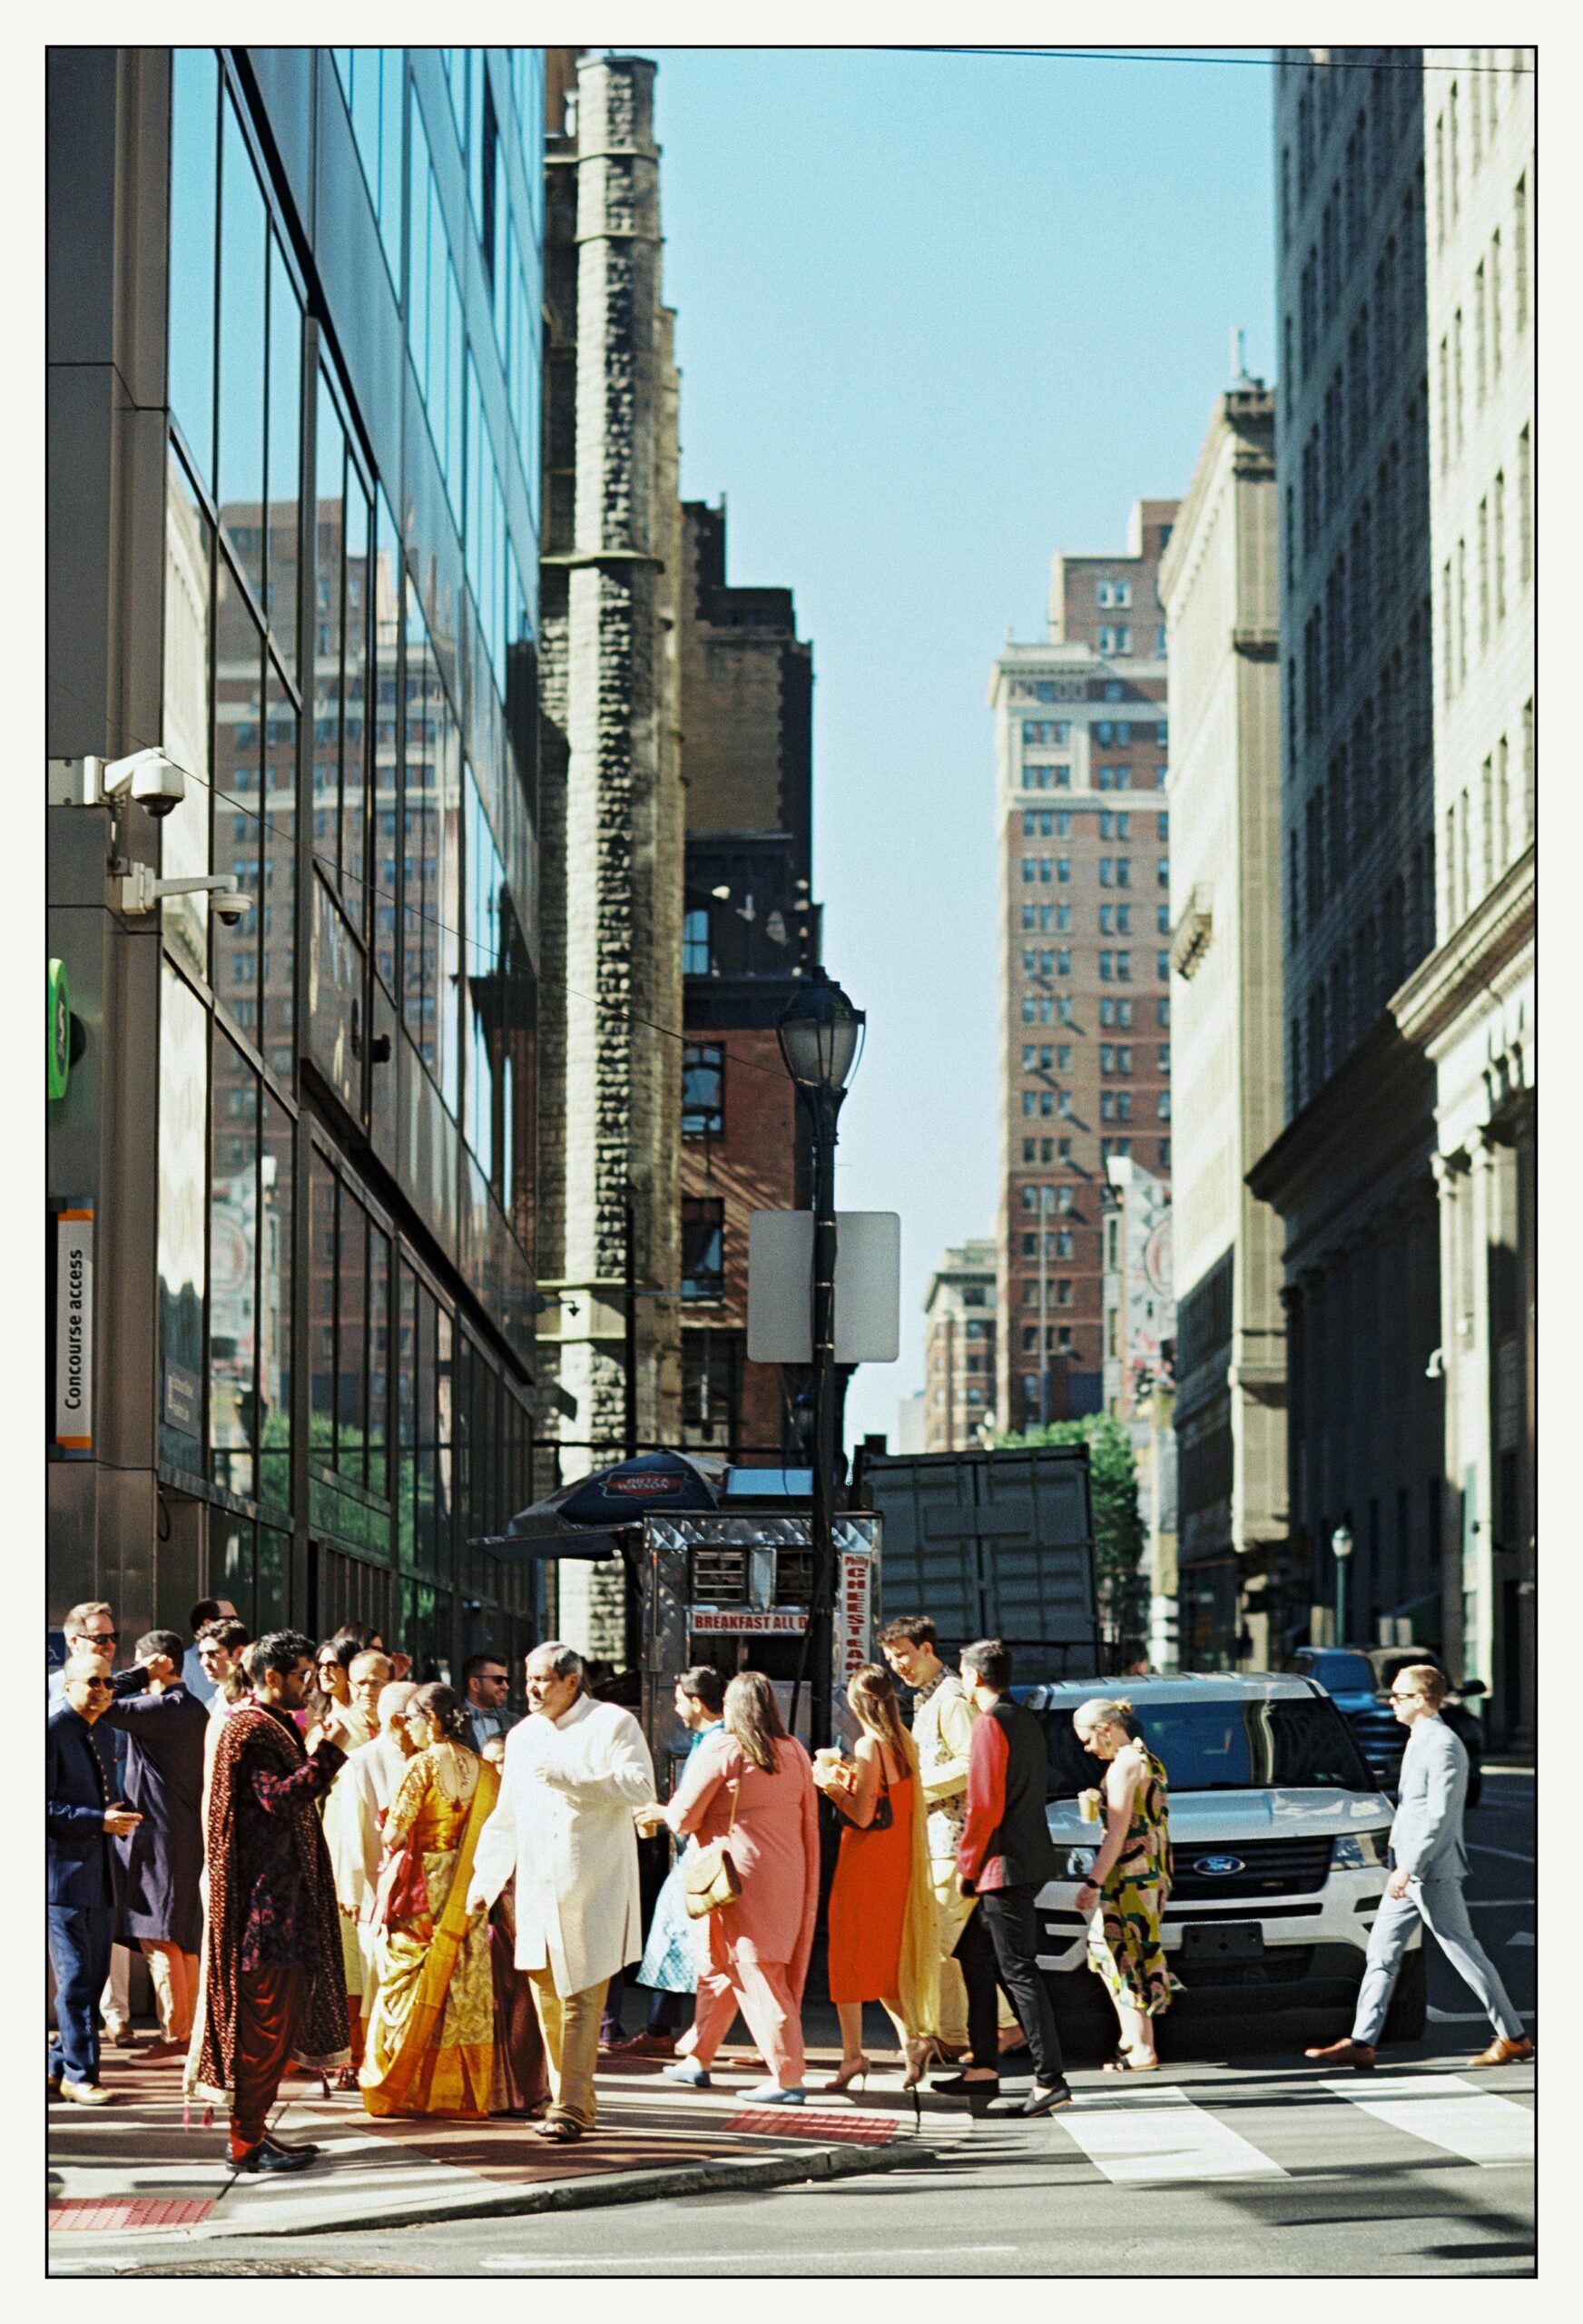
(1126, 1891)
(430, 2047)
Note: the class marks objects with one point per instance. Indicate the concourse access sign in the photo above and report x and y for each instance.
(73, 1427)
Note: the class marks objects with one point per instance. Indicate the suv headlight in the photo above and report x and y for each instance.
(1356, 1851)
(1080, 1863)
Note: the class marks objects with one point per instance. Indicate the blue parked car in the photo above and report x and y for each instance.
(1357, 1680)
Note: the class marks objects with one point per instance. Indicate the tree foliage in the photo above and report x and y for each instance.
(1118, 1525)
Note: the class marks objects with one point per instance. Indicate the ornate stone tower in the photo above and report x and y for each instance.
(612, 819)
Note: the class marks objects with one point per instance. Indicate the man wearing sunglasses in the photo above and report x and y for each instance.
(90, 1628)
(80, 1821)
(1428, 1867)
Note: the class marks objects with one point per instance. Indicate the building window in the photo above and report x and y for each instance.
(1106, 967)
(702, 1248)
(697, 960)
(704, 1091)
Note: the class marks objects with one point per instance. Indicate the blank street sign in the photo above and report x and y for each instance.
(868, 1287)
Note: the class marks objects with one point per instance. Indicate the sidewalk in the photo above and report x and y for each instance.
(131, 2169)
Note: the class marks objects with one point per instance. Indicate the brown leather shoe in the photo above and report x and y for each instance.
(1503, 2053)
(1345, 2053)
(646, 2045)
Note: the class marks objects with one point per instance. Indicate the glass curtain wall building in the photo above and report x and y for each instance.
(349, 263)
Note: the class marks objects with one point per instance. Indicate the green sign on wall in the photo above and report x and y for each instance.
(58, 1030)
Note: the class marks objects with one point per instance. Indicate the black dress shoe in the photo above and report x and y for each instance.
(1045, 2102)
(267, 2157)
(307, 2147)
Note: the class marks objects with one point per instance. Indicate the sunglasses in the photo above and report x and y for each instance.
(94, 1684)
(102, 1638)
(1405, 1694)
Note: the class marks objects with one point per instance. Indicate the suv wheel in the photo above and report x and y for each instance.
(1409, 2011)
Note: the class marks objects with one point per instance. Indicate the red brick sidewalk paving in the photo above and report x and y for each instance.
(132, 2169)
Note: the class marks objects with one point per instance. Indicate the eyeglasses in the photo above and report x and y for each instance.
(1406, 1694)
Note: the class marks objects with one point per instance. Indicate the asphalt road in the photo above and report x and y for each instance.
(1259, 2169)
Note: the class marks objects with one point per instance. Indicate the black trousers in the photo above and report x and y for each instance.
(999, 1945)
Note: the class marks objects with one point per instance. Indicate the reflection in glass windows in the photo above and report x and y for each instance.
(371, 80)
(284, 463)
(234, 1188)
(194, 193)
(244, 365)
(184, 833)
(183, 1144)
(384, 869)
(278, 934)
(238, 826)
(275, 1180)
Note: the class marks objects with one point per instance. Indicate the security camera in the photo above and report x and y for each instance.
(150, 778)
(230, 905)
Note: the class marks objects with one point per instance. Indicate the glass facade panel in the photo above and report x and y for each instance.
(276, 1229)
(234, 1188)
(329, 605)
(323, 1220)
(189, 636)
(384, 862)
(194, 191)
(243, 362)
(238, 826)
(379, 1360)
(354, 763)
(278, 935)
(183, 1145)
(285, 458)
(351, 1413)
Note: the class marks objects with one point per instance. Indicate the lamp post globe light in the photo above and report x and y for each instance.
(820, 1035)
(1341, 1547)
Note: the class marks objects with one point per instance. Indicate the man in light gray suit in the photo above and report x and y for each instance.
(1429, 1866)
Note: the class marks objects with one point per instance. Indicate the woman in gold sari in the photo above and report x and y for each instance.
(430, 2047)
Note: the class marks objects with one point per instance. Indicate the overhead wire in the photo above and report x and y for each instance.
(1330, 63)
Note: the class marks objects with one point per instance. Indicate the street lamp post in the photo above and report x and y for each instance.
(820, 1034)
(1340, 1544)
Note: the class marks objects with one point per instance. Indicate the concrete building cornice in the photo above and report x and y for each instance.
(1464, 968)
(1368, 1116)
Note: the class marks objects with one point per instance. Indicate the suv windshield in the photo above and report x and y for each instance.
(1222, 1747)
(1339, 1674)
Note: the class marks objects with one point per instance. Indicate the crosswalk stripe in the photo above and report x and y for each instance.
(1161, 2135)
(1449, 2112)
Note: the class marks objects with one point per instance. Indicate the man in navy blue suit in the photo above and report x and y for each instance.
(82, 1821)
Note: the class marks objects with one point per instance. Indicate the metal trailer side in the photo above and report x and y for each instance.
(994, 1544)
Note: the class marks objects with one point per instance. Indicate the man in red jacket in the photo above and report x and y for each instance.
(1005, 1856)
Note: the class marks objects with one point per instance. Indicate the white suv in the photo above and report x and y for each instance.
(1278, 1837)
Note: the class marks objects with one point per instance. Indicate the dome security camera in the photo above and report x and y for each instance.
(232, 905)
(148, 776)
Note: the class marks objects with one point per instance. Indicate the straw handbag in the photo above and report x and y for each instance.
(709, 1875)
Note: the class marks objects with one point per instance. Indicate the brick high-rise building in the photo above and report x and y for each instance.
(958, 1349)
(749, 933)
(1084, 962)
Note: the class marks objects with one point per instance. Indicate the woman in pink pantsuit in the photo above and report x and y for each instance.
(752, 1954)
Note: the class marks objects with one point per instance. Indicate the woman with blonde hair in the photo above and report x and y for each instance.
(750, 1784)
(1125, 1892)
(881, 1908)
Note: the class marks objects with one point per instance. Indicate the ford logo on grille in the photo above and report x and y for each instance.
(1218, 1867)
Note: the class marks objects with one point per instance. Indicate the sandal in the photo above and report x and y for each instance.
(1122, 2062)
(559, 2129)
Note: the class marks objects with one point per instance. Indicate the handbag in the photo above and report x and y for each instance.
(709, 1875)
(884, 1814)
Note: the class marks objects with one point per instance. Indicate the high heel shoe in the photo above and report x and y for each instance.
(843, 2078)
(919, 2057)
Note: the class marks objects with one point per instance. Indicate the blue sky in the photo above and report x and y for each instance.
(938, 315)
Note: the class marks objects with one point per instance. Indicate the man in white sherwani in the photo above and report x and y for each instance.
(354, 1817)
(575, 1771)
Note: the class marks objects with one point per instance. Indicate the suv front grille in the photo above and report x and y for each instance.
(1294, 1868)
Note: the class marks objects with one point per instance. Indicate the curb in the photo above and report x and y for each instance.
(725, 2175)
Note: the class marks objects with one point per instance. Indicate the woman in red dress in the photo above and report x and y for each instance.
(881, 1907)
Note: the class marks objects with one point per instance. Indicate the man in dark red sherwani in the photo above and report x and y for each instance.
(275, 1988)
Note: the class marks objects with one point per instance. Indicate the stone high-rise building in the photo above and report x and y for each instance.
(1350, 1173)
(749, 932)
(1470, 1007)
(611, 803)
(1220, 583)
(958, 1350)
(1084, 850)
